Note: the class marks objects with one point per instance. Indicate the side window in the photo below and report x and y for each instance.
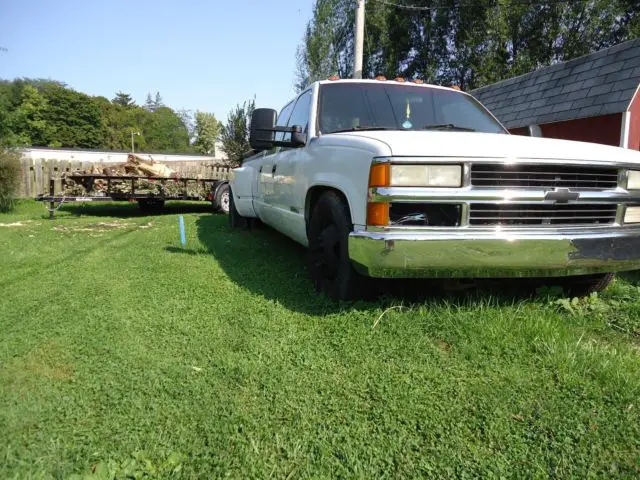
(282, 120)
(300, 114)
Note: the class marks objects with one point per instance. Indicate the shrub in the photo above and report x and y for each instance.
(10, 173)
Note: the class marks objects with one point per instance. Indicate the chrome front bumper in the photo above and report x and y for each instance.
(464, 252)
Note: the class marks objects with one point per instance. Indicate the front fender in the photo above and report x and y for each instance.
(354, 191)
(242, 181)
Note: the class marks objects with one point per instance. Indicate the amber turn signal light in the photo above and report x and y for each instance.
(379, 175)
(378, 214)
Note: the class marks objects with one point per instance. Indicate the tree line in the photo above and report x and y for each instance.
(47, 113)
(460, 42)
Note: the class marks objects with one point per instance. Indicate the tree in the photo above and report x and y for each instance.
(234, 136)
(207, 131)
(148, 103)
(152, 104)
(42, 112)
(26, 124)
(72, 119)
(187, 118)
(327, 42)
(162, 130)
(117, 123)
(465, 43)
(123, 99)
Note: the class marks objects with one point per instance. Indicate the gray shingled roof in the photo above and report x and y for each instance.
(597, 84)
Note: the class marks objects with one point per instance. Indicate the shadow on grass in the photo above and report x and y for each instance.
(131, 209)
(271, 265)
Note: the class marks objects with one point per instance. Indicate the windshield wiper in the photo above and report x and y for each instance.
(360, 129)
(447, 126)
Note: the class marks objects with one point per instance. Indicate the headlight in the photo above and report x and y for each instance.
(633, 180)
(427, 176)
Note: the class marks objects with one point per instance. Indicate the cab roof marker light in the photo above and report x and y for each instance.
(380, 77)
(418, 81)
(399, 79)
(333, 77)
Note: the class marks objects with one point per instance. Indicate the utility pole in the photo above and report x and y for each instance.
(132, 134)
(359, 40)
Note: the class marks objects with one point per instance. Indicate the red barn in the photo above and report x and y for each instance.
(592, 99)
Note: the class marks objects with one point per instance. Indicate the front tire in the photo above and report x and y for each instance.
(329, 264)
(584, 285)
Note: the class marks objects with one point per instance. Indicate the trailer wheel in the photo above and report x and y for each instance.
(221, 200)
(151, 205)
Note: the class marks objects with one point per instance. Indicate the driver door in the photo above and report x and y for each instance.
(289, 174)
(266, 197)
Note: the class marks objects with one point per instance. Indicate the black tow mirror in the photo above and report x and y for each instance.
(298, 139)
(263, 122)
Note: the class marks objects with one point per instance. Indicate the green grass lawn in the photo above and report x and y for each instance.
(123, 354)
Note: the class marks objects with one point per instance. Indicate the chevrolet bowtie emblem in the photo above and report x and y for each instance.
(561, 195)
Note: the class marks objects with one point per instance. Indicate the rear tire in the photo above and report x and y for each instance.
(584, 285)
(236, 220)
(221, 200)
(329, 265)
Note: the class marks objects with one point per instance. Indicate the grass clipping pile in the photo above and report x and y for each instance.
(82, 182)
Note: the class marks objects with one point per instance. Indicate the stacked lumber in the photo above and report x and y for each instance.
(160, 180)
(134, 167)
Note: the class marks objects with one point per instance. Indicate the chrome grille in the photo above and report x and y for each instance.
(489, 214)
(543, 176)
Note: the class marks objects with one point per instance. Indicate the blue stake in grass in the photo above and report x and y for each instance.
(183, 238)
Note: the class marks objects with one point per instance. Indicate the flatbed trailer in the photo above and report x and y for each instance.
(217, 191)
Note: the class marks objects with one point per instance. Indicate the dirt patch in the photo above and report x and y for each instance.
(15, 224)
(100, 227)
(94, 227)
(44, 361)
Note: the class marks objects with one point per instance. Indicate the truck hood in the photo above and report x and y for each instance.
(486, 145)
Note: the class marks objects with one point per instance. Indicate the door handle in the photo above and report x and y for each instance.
(273, 170)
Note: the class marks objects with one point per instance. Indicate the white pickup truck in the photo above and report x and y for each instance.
(399, 179)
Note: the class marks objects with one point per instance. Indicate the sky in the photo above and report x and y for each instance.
(203, 55)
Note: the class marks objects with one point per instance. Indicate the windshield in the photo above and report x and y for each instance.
(353, 106)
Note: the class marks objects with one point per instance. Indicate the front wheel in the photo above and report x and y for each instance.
(329, 264)
(584, 285)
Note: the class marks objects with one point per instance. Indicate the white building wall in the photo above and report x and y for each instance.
(96, 156)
